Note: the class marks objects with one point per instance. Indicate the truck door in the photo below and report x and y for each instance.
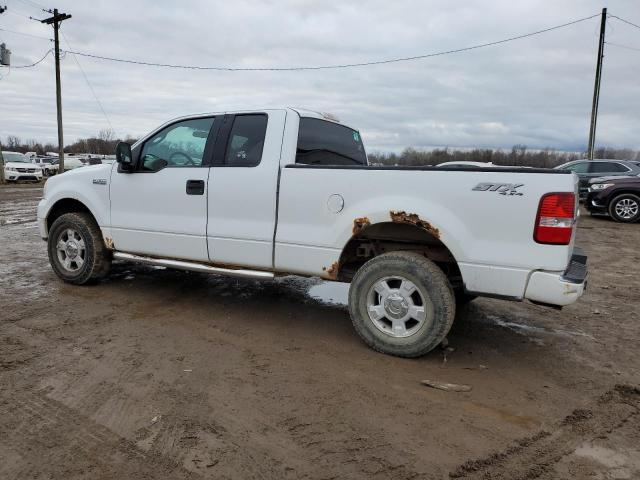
(243, 189)
(160, 209)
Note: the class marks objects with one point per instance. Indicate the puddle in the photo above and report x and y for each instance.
(605, 456)
(332, 293)
(523, 329)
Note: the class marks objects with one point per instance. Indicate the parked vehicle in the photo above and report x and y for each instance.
(273, 192)
(588, 169)
(466, 164)
(70, 163)
(17, 167)
(618, 197)
(46, 164)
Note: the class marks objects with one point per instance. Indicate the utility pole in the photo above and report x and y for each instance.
(1, 166)
(596, 87)
(2, 10)
(55, 21)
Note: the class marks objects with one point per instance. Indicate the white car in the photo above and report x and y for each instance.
(466, 164)
(47, 164)
(284, 191)
(70, 163)
(18, 167)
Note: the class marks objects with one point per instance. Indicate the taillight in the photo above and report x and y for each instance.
(555, 219)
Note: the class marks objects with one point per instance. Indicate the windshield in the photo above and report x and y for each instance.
(14, 157)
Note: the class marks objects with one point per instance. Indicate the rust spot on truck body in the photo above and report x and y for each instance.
(360, 224)
(414, 219)
(109, 243)
(332, 271)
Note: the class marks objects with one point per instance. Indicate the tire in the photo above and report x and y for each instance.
(625, 208)
(388, 321)
(74, 263)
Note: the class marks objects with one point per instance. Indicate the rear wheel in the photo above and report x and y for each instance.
(625, 208)
(76, 251)
(401, 304)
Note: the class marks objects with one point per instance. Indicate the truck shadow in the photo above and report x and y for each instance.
(310, 304)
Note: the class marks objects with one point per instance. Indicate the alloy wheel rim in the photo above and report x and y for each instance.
(627, 208)
(397, 307)
(71, 250)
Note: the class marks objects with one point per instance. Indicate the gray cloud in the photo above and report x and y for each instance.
(534, 91)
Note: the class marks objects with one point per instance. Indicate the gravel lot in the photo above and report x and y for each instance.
(163, 374)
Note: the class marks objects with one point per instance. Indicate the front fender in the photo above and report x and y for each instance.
(87, 185)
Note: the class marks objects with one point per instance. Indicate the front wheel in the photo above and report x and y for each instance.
(625, 208)
(76, 251)
(401, 304)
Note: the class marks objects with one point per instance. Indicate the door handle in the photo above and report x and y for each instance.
(195, 187)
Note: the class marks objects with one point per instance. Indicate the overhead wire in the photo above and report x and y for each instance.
(625, 21)
(336, 66)
(86, 79)
(31, 64)
(26, 34)
(623, 46)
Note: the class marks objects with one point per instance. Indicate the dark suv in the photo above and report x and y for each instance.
(588, 169)
(617, 196)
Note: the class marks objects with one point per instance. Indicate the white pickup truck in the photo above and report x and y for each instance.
(287, 191)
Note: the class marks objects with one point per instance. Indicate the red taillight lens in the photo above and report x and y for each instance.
(555, 219)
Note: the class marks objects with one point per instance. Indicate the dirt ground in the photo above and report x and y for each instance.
(163, 374)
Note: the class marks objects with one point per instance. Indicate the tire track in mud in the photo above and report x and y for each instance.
(536, 456)
(42, 437)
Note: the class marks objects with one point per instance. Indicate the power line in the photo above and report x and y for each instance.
(33, 4)
(25, 34)
(18, 14)
(326, 67)
(623, 46)
(34, 63)
(86, 79)
(625, 21)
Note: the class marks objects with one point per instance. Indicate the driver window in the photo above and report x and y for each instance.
(179, 145)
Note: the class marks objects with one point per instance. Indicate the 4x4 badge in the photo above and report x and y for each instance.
(501, 188)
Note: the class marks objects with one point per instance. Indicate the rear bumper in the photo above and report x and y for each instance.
(559, 289)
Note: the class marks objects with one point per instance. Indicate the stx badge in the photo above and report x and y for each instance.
(501, 188)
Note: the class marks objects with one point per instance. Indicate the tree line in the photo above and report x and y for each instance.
(519, 155)
(104, 143)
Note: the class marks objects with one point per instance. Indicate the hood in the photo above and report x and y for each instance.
(616, 180)
(21, 165)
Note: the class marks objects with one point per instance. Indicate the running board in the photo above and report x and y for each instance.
(191, 266)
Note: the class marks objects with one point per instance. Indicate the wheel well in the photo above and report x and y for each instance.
(370, 241)
(615, 195)
(66, 205)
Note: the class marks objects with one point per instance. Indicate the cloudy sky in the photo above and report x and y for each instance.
(535, 91)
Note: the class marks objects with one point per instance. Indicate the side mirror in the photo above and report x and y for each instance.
(124, 156)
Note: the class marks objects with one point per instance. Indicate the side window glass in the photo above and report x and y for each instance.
(179, 145)
(581, 167)
(617, 167)
(246, 141)
(606, 167)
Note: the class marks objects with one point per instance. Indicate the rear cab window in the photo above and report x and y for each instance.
(321, 142)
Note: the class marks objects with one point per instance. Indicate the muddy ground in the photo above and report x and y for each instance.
(163, 374)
